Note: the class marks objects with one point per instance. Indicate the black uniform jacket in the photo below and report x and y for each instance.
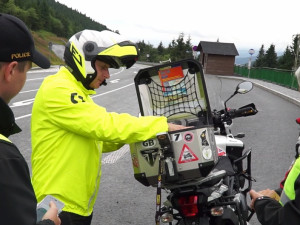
(271, 212)
(17, 198)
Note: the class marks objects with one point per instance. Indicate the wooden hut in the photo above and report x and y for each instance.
(217, 57)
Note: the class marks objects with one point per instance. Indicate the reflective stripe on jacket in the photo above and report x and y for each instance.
(288, 192)
(69, 133)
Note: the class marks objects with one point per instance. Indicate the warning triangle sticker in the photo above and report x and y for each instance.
(187, 155)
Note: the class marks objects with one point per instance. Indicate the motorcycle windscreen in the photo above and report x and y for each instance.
(175, 90)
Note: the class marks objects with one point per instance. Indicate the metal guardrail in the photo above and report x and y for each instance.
(284, 78)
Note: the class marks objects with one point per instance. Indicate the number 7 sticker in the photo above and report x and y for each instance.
(176, 137)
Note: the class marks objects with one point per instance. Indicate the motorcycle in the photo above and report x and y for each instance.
(203, 186)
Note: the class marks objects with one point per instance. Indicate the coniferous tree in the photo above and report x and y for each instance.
(180, 49)
(44, 15)
(260, 59)
(160, 49)
(286, 61)
(271, 57)
(189, 48)
(2, 4)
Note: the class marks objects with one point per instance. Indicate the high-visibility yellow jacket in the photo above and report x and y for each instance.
(69, 133)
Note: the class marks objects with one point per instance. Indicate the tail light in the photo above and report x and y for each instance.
(188, 205)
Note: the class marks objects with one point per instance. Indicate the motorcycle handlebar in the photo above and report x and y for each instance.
(247, 111)
(228, 115)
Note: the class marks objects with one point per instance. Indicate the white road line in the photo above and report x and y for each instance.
(116, 155)
(94, 96)
(51, 70)
(21, 92)
(22, 103)
(39, 78)
(21, 117)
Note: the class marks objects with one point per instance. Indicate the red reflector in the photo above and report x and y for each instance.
(298, 120)
(188, 205)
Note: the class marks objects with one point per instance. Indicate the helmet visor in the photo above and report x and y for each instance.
(123, 54)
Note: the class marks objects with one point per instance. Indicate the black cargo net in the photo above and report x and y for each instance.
(179, 98)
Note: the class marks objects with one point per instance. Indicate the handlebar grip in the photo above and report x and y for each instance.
(247, 111)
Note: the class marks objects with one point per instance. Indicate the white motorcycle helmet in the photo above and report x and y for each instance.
(85, 47)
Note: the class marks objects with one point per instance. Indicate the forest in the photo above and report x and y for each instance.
(51, 16)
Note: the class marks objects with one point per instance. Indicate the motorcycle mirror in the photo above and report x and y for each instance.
(244, 87)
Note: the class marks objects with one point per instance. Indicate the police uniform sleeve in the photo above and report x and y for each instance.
(271, 212)
(17, 199)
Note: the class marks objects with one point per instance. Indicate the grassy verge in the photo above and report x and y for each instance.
(42, 39)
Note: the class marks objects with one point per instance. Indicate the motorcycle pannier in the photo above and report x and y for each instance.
(177, 91)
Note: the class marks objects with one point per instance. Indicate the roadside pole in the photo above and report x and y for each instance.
(251, 52)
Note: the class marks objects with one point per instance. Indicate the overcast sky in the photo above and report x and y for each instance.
(247, 24)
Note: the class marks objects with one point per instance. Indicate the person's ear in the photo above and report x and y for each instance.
(9, 70)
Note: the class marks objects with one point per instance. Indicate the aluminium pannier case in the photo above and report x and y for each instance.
(177, 91)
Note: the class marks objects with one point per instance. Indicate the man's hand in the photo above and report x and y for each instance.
(268, 193)
(254, 195)
(51, 214)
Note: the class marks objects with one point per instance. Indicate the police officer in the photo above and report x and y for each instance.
(17, 199)
(285, 210)
(70, 132)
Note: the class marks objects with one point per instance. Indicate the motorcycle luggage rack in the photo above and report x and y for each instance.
(246, 173)
(175, 90)
(179, 98)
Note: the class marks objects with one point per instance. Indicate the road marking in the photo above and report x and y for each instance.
(114, 81)
(21, 117)
(116, 155)
(28, 91)
(94, 96)
(38, 70)
(40, 78)
(22, 103)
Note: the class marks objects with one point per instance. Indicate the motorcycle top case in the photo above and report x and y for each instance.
(177, 91)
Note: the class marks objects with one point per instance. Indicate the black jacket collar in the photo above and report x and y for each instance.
(7, 120)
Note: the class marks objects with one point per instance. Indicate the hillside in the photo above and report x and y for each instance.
(42, 39)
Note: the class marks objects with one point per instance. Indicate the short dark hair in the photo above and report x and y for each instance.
(21, 65)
